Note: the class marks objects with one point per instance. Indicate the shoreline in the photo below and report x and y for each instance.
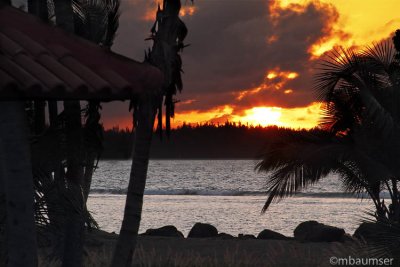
(230, 214)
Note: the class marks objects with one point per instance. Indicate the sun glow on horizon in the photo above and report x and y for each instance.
(263, 116)
(301, 117)
(296, 118)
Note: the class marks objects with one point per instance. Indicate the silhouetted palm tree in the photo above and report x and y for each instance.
(96, 21)
(361, 130)
(145, 115)
(168, 34)
(39, 8)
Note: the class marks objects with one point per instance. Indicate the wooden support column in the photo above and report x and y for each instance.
(18, 185)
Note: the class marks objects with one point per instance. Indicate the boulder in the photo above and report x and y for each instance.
(347, 238)
(225, 236)
(202, 230)
(313, 231)
(367, 231)
(245, 237)
(272, 235)
(167, 231)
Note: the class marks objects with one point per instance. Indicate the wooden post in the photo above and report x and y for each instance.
(18, 185)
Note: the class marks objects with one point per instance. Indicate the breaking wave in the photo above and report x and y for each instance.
(201, 192)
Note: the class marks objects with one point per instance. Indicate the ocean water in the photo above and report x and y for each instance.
(226, 193)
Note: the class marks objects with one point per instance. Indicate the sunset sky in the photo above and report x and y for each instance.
(253, 60)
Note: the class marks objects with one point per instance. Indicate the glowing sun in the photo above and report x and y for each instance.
(263, 116)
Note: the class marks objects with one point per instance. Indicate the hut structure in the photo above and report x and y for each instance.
(43, 62)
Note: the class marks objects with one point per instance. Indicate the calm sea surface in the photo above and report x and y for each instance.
(226, 193)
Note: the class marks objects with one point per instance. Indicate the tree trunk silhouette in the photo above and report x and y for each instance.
(53, 112)
(93, 135)
(168, 34)
(125, 248)
(18, 185)
(3, 247)
(395, 210)
(73, 239)
(39, 8)
(73, 244)
(39, 116)
(54, 201)
(64, 14)
(89, 170)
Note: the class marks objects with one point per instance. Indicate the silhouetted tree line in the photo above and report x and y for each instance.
(223, 141)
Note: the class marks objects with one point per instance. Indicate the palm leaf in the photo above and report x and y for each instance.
(361, 117)
(97, 20)
(337, 65)
(365, 76)
(385, 242)
(297, 161)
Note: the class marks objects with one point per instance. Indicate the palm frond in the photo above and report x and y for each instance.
(97, 20)
(380, 56)
(346, 76)
(343, 113)
(360, 173)
(297, 161)
(113, 22)
(351, 178)
(385, 242)
(334, 69)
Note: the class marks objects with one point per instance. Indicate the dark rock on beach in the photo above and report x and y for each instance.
(367, 231)
(245, 237)
(272, 235)
(202, 230)
(348, 238)
(313, 231)
(167, 231)
(225, 236)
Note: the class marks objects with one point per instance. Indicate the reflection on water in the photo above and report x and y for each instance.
(196, 177)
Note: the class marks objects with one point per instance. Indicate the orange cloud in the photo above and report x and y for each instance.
(188, 11)
(356, 23)
(277, 6)
(272, 39)
(274, 80)
(245, 93)
(333, 33)
(282, 74)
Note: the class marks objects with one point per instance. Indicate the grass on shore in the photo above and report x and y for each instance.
(279, 256)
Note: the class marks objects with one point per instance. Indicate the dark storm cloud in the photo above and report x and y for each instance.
(230, 52)
(234, 55)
